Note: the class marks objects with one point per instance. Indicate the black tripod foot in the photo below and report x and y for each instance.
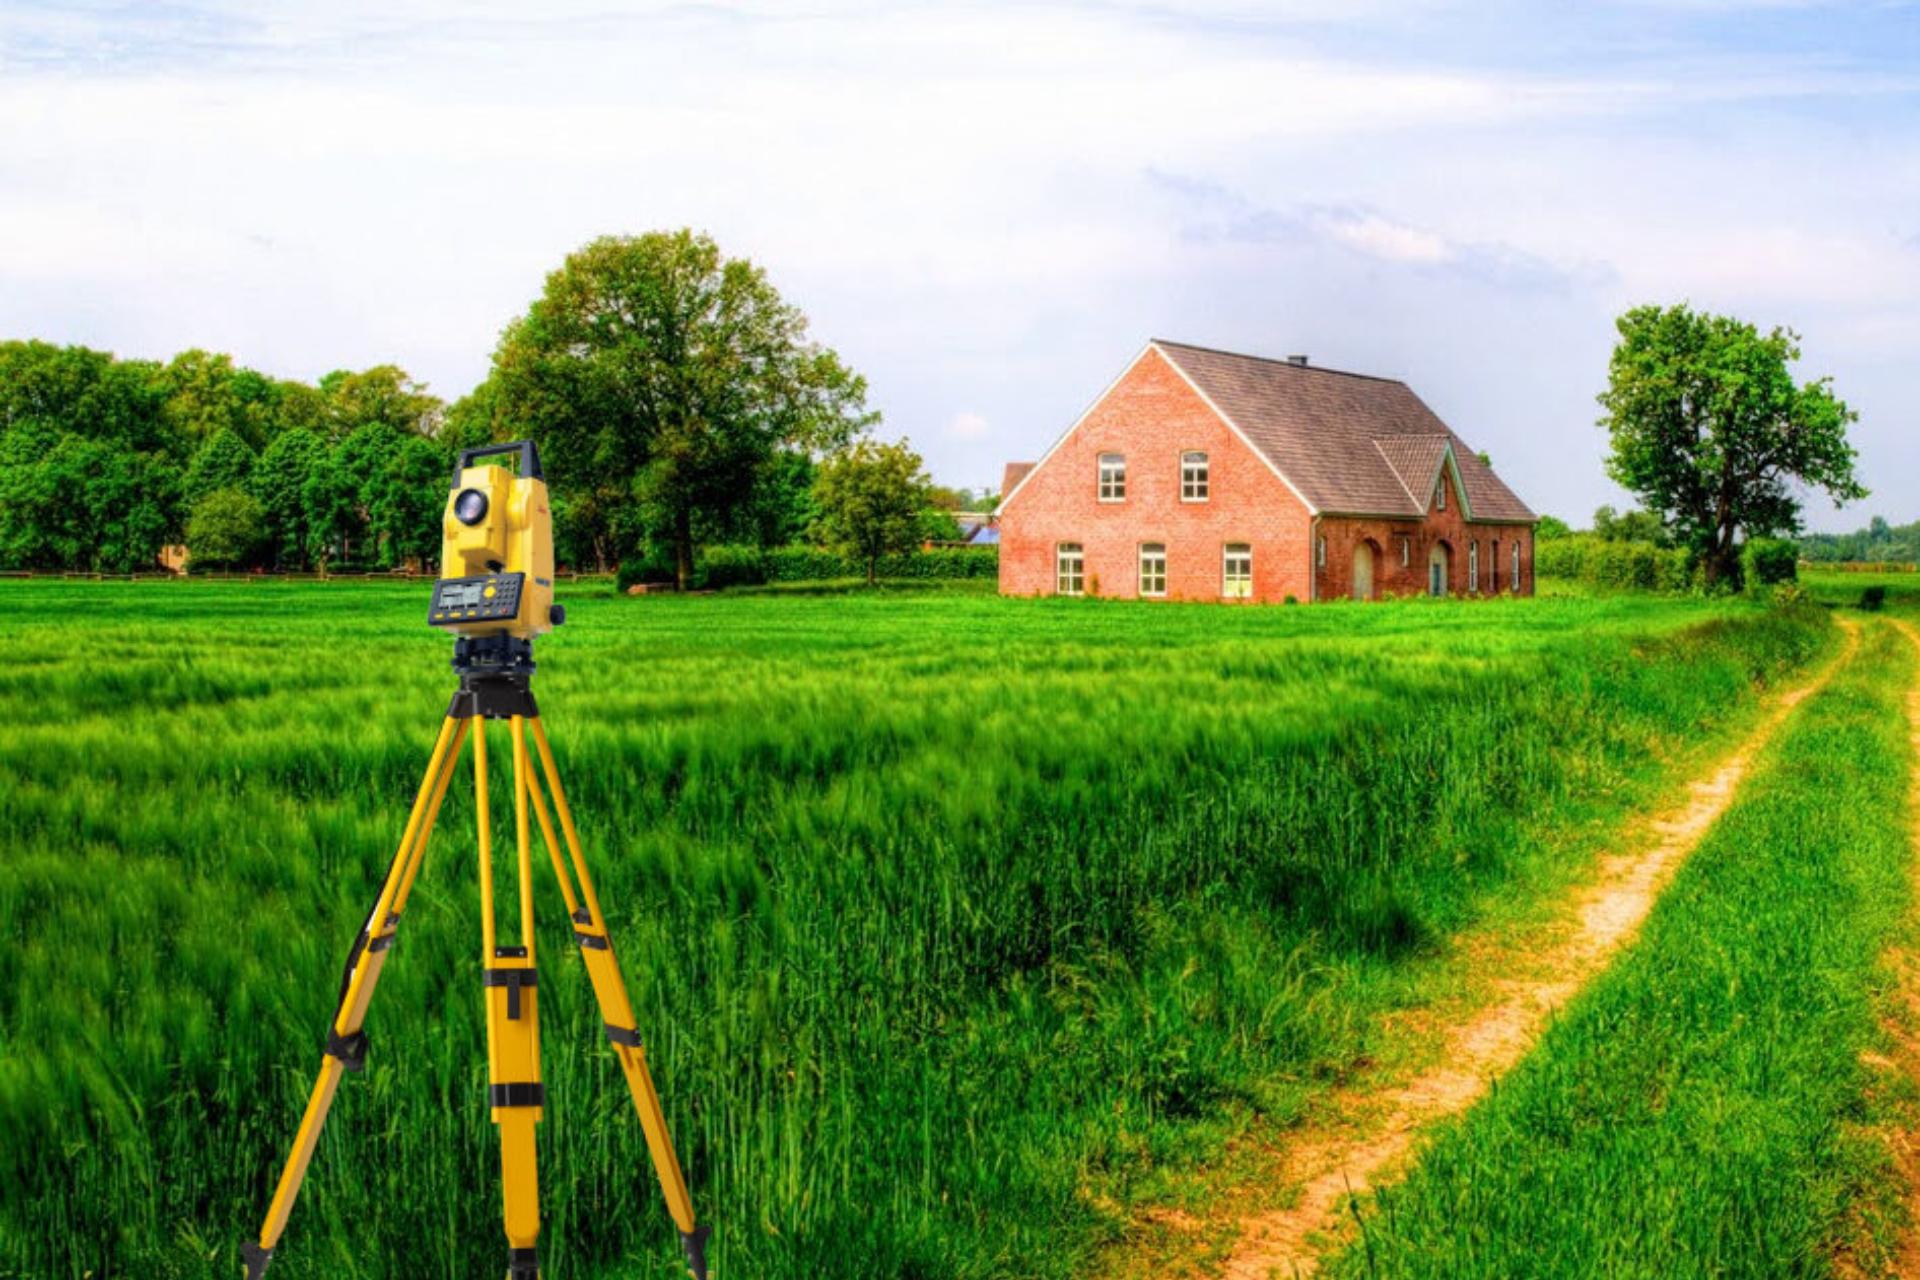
(694, 1244)
(256, 1259)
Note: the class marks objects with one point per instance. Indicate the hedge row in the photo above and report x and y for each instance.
(1643, 566)
(733, 566)
(1639, 566)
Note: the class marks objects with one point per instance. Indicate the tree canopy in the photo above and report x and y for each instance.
(661, 379)
(872, 498)
(1710, 429)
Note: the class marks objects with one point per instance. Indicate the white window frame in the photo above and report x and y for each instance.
(1516, 565)
(1440, 495)
(1153, 553)
(1320, 552)
(1473, 566)
(1112, 471)
(1493, 567)
(1196, 476)
(1406, 552)
(1232, 587)
(1062, 551)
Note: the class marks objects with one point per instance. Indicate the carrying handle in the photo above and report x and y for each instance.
(529, 459)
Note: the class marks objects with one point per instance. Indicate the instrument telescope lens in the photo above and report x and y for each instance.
(470, 507)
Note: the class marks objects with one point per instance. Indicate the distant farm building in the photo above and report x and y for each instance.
(1203, 475)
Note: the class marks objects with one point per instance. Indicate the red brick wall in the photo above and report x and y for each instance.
(1152, 416)
(1389, 577)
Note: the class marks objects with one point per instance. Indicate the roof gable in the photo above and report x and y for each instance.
(1025, 470)
(1347, 443)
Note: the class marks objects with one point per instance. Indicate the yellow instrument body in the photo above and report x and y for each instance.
(496, 572)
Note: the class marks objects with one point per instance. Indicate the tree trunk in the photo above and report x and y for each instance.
(873, 569)
(683, 550)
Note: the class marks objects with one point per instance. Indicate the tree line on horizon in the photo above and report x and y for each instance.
(678, 401)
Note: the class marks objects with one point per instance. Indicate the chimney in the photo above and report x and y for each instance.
(1299, 362)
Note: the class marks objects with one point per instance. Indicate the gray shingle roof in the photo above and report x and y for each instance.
(1349, 443)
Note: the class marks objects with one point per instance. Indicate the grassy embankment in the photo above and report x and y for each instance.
(938, 910)
(1704, 1108)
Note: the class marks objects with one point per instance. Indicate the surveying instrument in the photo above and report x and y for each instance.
(495, 594)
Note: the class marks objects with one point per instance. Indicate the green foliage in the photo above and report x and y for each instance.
(1629, 526)
(1550, 527)
(225, 530)
(872, 497)
(947, 917)
(1633, 566)
(1879, 541)
(225, 461)
(280, 483)
(1710, 429)
(659, 375)
(382, 396)
(1766, 561)
(1699, 1111)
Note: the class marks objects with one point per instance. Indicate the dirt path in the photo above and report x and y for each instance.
(1376, 1132)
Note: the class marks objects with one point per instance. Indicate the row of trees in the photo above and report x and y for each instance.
(678, 400)
(105, 461)
(1878, 541)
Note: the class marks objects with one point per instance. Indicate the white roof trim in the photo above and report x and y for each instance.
(1395, 472)
(1234, 427)
(1006, 499)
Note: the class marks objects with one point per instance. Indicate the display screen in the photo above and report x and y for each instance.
(459, 595)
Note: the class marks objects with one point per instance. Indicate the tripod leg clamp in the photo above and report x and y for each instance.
(624, 1035)
(523, 1264)
(351, 1050)
(256, 1259)
(514, 980)
(694, 1244)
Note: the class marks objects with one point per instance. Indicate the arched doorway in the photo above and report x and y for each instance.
(1363, 570)
(1439, 570)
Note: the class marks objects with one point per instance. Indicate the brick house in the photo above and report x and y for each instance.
(1203, 475)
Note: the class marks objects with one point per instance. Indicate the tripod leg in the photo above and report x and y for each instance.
(616, 1010)
(346, 1041)
(513, 1029)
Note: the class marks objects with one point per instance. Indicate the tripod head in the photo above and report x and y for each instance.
(496, 551)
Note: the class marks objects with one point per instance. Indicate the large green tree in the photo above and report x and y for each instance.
(660, 377)
(872, 498)
(1710, 429)
(383, 395)
(226, 529)
(224, 462)
(280, 483)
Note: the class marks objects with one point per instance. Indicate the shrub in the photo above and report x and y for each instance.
(1872, 598)
(1618, 566)
(719, 567)
(226, 529)
(1766, 561)
(814, 564)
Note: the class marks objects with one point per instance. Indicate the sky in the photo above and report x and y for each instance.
(987, 209)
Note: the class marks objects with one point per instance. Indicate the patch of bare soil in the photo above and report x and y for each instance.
(1375, 1133)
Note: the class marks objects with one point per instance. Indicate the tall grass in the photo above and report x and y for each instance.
(1698, 1112)
(937, 909)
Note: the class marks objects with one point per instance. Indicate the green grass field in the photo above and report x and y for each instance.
(1704, 1108)
(950, 920)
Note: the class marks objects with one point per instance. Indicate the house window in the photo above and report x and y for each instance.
(1473, 566)
(1516, 564)
(1153, 568)
(1193, 477)
(1493, 566)
(1113, 477)
(1069, 569)
(1406, 551)
(1440, 494)
(1236, 571)
(1320, 553)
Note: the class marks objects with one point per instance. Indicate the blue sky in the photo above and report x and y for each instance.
(988, 208)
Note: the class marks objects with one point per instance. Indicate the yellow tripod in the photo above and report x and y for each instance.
(494, 692)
